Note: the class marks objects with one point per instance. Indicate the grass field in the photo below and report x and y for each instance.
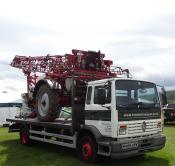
(12, 153)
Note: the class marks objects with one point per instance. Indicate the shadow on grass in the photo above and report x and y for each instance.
(44, 154)
(136, 161)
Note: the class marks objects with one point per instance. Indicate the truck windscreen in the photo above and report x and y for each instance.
(137, 100)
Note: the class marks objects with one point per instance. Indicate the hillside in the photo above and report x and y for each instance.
(171, 96)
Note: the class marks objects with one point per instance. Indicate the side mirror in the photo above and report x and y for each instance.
(163, 96)
(101, 93)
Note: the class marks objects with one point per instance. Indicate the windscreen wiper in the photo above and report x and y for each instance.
(136, 103)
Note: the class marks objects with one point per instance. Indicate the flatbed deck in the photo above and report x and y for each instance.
(58, 123)
(50, 132)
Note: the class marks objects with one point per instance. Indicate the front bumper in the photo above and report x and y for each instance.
(141, 146)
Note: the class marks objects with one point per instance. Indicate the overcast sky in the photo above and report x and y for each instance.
(135, 34)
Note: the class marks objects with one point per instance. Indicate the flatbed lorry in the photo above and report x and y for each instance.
(110, 116)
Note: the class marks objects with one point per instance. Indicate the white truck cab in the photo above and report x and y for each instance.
(128, 112)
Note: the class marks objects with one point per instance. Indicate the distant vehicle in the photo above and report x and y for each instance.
(169, 112)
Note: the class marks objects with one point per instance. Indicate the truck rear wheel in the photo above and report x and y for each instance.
(87, 149)
(24, 136)
(48, 104)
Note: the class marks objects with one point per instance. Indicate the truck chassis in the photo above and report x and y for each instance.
(60, 132)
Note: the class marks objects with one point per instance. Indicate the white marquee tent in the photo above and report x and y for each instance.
(8, 110)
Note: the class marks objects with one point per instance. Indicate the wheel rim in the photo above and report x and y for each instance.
(24, 137)
(43, 104)
(87, 151)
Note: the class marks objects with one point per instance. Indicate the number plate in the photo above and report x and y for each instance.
(130, 145)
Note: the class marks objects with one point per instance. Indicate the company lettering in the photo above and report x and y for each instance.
(140, 114)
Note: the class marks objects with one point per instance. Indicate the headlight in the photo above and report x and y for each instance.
(159, 125)
(122, 129)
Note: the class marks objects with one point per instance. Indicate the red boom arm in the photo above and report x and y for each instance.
(84, 64)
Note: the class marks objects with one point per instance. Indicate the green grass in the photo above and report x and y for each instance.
(12, 153)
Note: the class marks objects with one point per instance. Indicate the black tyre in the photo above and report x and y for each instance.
(24, 136)
(48, 104)
(87, 149)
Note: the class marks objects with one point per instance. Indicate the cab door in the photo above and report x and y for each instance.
(98, 108)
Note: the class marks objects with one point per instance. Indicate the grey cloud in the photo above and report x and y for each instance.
(139, 47)
(4, 65)
(162, 26)
(140, 41)
(160, 77)
(3, 68)
(16, 36)
(162, 80)
(3, 62)
(158, 26)
(8, 72)
(134, 47)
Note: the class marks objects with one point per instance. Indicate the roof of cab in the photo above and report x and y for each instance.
(111, 79)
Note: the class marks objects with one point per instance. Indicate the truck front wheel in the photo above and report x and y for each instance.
(48, 104)
(87, 149)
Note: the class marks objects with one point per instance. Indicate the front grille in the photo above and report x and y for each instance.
(136, 127)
